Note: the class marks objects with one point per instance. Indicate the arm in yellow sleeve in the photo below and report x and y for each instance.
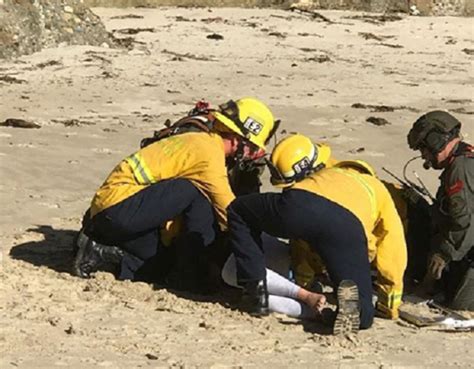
(214, 183)
(391, 258)
(208, 172)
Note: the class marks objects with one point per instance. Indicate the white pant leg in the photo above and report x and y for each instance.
(280, 286)
(277, 258)
(290, 307)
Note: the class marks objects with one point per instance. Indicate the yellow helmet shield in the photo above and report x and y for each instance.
(294, 158)
(249, 118)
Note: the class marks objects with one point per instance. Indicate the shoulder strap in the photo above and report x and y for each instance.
(196, 123)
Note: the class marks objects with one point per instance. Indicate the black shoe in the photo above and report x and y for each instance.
(92, 255)
(348, 314)
(255, 298)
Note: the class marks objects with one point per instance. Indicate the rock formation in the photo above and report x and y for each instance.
(27, 26)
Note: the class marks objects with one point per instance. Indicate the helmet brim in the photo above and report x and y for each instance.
(233, 127)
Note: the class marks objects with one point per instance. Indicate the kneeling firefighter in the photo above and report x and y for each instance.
(180, 172)
(311, 208)
(372, 203)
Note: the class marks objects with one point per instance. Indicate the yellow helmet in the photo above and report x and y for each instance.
(360, 165)
(249, 118)
(294, 158)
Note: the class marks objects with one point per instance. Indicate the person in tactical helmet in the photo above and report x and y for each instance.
(437, 136)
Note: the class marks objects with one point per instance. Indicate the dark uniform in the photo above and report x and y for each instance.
(331, 230)
(454, 219)
(453, 211)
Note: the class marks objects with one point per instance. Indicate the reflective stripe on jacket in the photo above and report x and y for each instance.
(196, 156)
(367, 198)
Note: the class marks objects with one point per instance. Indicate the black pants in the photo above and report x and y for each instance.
(334, 233)
(418, 238)
(458, 283)
(133, 224)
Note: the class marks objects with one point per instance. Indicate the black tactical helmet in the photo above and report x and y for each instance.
(433, 131)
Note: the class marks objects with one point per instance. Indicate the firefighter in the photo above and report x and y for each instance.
(335, 211)
(437, 136)
(387, 248)
(182, 172)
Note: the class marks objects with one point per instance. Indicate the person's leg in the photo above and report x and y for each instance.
(277, 258)
(134, 266)
(133, 224)
(464, 297)
(136, 254)
(280, 286)
(459, 284)
(339, 238)
(248, 216)
(283, 294)
(346, 258)
(291, 307)
(192, 266)
(143, 212)
(199, 220)
(336, 234)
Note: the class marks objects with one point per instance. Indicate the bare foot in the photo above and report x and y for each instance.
(314, 300)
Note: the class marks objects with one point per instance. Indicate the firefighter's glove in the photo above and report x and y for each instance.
(411, 195)
(436, 266)
(384, 311)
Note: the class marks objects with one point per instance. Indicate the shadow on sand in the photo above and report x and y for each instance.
(55, 251)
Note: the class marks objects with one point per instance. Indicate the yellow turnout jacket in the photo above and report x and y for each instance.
(367, 198)
(196, 156)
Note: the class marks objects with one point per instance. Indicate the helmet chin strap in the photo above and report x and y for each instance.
(245, 163)
(238, 157)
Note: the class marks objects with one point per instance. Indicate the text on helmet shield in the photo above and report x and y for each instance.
(253, 126)
(301, 165)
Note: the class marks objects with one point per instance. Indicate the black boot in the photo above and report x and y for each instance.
(255, 298)
(92, 255)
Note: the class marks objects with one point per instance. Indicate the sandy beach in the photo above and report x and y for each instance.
(323, 78)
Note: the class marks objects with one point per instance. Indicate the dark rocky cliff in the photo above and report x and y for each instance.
(27, 26)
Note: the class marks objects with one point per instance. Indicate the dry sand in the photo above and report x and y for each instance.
(95, 104)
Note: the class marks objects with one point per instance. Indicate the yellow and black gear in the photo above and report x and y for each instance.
(359, 165)
(294, 158)
(178, 156)
(249, 118)
(382, 225)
